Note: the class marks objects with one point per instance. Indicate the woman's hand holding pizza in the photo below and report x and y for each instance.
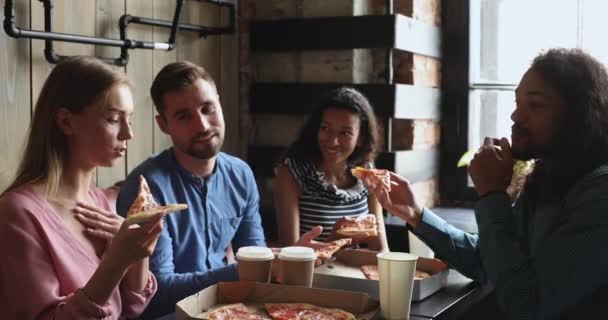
(133, 242)
(99, 222)
(357, 237)
(307, 240)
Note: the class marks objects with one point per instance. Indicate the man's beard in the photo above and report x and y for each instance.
(208, 152)
(529, 150)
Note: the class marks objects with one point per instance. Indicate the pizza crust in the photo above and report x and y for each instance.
(144, 208)
(235, 311)
(373, 177)
(306, 311)
(327, 252)
(371, 272)
(361, 227)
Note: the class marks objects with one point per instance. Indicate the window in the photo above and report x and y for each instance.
(503, 38)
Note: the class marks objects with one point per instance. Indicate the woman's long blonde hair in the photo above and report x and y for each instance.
(74, 84)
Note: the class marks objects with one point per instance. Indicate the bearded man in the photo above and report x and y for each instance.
(219, 189)
(546, 253)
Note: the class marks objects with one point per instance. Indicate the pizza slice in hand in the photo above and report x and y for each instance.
(373, 177)
(325, 253)
(144, 208)
(359, 228)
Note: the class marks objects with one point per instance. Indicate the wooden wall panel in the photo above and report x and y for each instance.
(140, 70)
(23, 71)
(229, 84)
(163, 9)
(107, 13)
(15, 102)
(69, 16)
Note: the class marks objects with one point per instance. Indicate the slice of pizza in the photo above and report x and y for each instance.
(236, 311)
(145, 208)
(373, 177)
(361, 227)
(328, 251)
(370, 271)
(305, 311)
(420, 275)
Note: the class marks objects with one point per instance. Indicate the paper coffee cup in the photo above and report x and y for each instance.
(254, 263)
(297, 265)
(396, 279)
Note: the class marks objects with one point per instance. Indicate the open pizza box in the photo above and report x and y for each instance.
(255, 294)
(345, 273)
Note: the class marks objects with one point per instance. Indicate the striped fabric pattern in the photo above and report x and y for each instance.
(322, 203)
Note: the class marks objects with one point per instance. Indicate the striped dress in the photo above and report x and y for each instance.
(322, 203)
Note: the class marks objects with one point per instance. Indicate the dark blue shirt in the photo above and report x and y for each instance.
(547, 259)
(191, 252)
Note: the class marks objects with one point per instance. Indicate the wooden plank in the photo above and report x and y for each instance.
(140, 71)
(417, 37)
(107, 14)
(322, 33)
(163, 9)
(69, 16)
(275, 9)
(229, 88)
(409, 134)
(275, 129)
(415, 165)
(245, 10)
(397, 101)
(281, 130)
(15, 101)
(416, 102)
(369, 31)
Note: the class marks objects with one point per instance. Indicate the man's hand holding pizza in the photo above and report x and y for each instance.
(492, 168)
(398, 199)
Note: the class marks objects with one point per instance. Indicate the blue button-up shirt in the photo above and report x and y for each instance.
(191, 252)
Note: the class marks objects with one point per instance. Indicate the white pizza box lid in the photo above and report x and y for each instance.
(257, 293)
(297, 254)
(254, 253)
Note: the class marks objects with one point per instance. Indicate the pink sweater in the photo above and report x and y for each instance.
(43, 266)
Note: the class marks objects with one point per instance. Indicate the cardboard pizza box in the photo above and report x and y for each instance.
(256, 294)
(344, 273)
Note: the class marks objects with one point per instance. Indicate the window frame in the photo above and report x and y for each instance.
(455, 85)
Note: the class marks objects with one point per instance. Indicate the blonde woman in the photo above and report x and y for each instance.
(55, 225)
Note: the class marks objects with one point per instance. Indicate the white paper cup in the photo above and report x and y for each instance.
(297, 265)
(396, 279)
(419, 248)
(254, 263)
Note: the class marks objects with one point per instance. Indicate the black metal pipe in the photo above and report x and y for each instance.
(12, 30)
(175, 26)
(388, 73)
(388, 55)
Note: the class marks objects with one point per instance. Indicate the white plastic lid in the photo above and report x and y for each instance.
(297, 254)
(397, 256)
(254, 253)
